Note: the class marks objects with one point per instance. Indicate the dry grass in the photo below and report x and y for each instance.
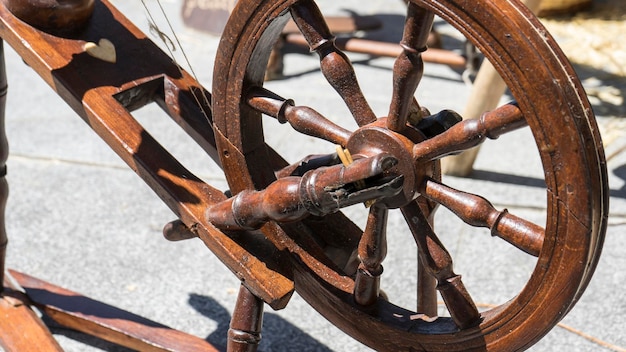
(595, 42)
(596, 38)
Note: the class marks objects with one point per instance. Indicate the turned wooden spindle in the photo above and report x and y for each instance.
(61, 16)
(478, 211)
(244, 334)
(409, 66)
(334, 63)
(318, 192)
(372, 251)
(438, 262)
(470, 133)
(4, 154)
(302, 118)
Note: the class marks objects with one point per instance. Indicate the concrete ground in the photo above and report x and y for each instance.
(79, 218)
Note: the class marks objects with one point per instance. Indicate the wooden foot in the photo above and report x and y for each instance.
(22, 330)
(95, 318)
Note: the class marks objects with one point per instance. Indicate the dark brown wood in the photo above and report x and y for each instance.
(372, 251)
(472, 132)
(86, 315)
(478, 211)
(60, 16)
(318, 192)
(333, 62)
(103, 94)
(388, 163)
(4, 154)
(438, 262)
(302, 118)
(244, 334)
(409, 66)
(178, 231)
(21, 327)
(427, 297)
(352, 301)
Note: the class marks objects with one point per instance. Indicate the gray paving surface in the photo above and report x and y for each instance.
(78, 218)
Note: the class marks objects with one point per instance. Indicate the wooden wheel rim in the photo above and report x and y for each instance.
(577, 200)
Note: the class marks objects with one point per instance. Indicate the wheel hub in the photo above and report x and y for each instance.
(376, 138)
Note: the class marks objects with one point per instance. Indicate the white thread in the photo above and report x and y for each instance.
(171, 47)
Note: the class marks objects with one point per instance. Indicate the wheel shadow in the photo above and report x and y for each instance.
(620, 172)
(85, 339)
(278, 334)
(606, 91)
(498, 177)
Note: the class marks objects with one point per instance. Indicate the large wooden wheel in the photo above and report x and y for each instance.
(393, 164)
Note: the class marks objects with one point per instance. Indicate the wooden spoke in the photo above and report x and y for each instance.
(469, 133)
(478, 211)
(372, 251)
(334, 63)
(438, 262)
(302, 118)
(409, 66)
(426, 291)
(426, 283)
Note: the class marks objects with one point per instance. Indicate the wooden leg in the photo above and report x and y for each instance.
(21, 328)
(4, 153)
(244, 334)
(485, 95)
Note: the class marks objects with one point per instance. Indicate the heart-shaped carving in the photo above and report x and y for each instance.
(104, 50)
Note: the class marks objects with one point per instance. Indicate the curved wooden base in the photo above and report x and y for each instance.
(22, 330)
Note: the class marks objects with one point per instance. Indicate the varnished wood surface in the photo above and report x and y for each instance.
(103, 94)
(310, 252)
(21, 327)
(502, 31)
(61, 16)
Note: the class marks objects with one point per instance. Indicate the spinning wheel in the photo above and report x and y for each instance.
(392, 162)
(281, 225)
